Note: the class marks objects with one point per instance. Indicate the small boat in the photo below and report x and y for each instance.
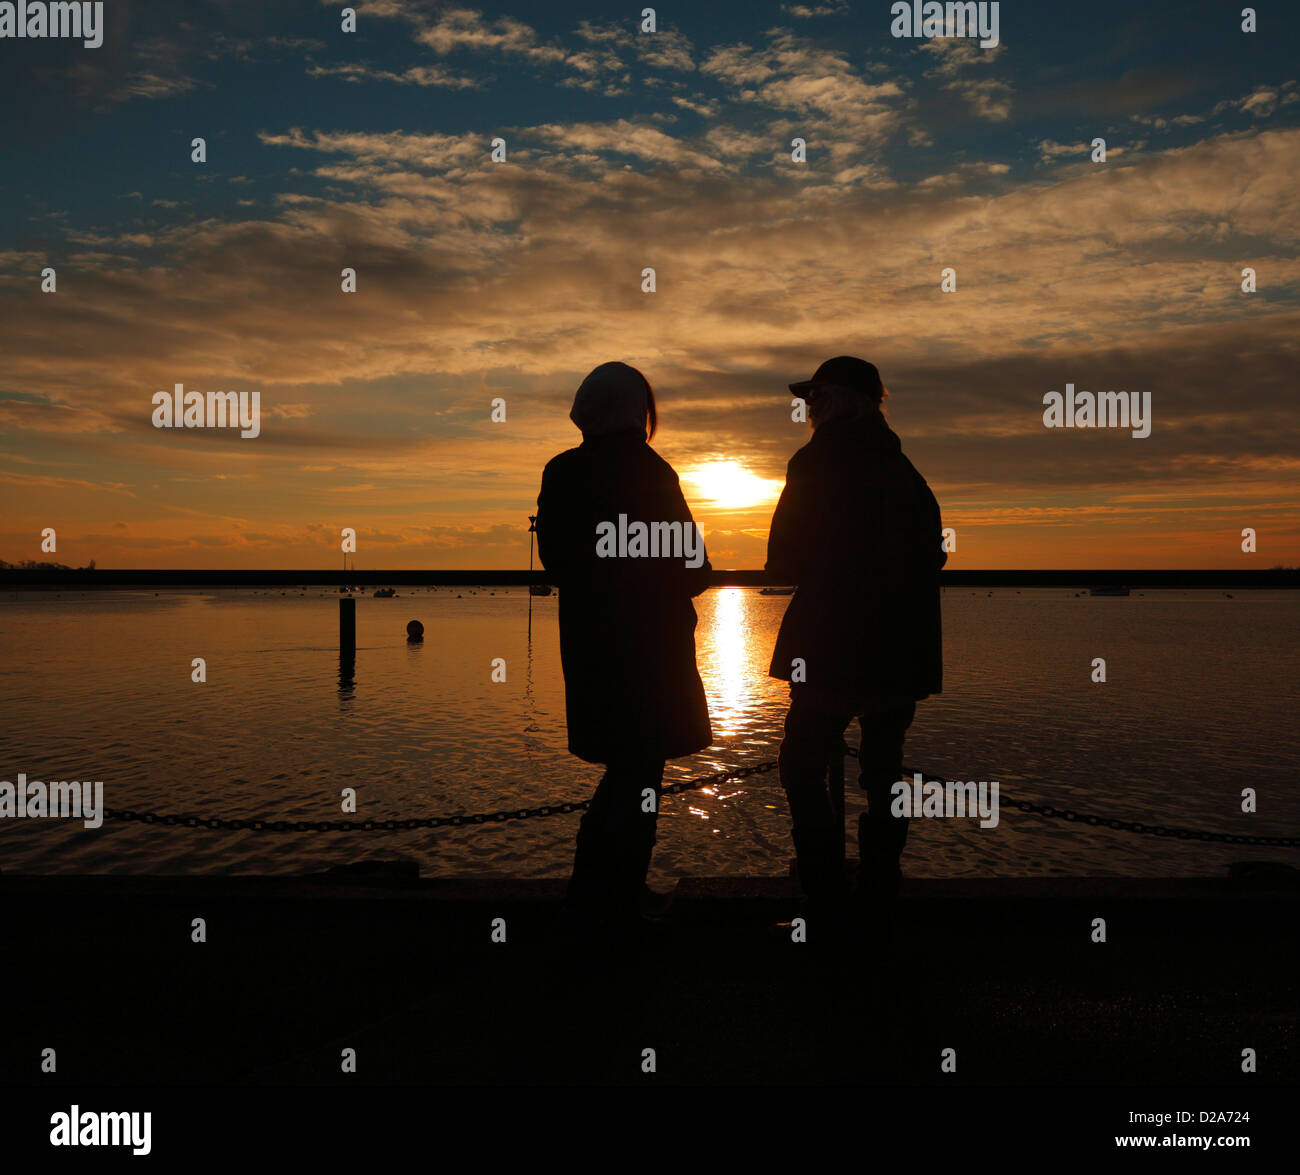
(785, 591)
(539, 589)
(384, 593)
(1110, 590)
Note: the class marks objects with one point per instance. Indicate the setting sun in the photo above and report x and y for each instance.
(729, 485)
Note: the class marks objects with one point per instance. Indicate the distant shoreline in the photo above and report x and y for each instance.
(16, 579)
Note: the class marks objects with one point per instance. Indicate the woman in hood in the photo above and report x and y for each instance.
(616, 535)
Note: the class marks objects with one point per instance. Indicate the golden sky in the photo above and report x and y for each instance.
(478, 279)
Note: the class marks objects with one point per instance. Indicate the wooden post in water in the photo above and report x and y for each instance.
(347, 627)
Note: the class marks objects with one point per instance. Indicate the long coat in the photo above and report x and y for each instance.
(858, 530)
(627, 625)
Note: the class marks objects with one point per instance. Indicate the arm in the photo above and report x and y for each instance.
(929, 510)
(694, 579)
(554, 529)
(794, 545)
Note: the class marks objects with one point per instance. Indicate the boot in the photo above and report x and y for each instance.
(880, 843)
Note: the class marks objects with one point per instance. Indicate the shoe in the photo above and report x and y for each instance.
(655, 905)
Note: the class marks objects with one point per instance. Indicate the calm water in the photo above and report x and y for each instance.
(1200, 702)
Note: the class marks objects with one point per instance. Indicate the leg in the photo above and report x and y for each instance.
(616, 838)
(589, 883)
(811, 737)
(881, 836)
(632, 834)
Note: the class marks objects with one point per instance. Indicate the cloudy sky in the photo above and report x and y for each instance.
(626, 150)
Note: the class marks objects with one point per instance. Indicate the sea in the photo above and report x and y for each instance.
(1197, 712)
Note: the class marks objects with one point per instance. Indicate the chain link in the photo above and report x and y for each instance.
(718, 777)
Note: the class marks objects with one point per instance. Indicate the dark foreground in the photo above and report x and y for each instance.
(404, 971)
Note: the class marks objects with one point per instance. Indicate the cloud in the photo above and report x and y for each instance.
(416, 75)
(478, 279)
(646, 143)
(550, 254)
(816, 87)
(664, 49)
(391, 148)
(152, 85)
(1262, 101)
(33, 482)
(464, 29)
(698, 104)
(952, 56)
(807, 12)
(953, 59)
(1049, 149)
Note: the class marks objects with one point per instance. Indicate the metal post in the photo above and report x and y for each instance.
(532, 530)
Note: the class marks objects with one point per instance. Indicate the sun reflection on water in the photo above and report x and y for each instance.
(727, 662)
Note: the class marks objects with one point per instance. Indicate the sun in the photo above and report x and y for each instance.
(730, 486)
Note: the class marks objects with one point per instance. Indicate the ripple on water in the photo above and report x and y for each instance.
(1195, 709)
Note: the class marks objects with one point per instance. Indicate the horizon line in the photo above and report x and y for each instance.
(1280, 576)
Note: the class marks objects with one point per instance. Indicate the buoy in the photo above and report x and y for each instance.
(414, 632)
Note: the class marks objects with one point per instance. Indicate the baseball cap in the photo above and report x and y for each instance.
(847, 372)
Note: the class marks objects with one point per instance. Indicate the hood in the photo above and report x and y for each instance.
(611, 399)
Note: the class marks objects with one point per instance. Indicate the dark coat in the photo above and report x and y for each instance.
(858, 530)
(627, 625)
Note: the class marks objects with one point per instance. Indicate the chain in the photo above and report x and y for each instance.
(191, 821)
(239, 825)
(718, 777)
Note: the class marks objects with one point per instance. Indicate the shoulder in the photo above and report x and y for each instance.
(657, 463)
(913, 472)
(562, 463)
(810, 456)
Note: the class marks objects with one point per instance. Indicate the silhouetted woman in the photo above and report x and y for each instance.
(633, 695)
